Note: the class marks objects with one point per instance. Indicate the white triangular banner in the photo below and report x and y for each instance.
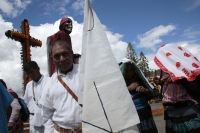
(107, 104)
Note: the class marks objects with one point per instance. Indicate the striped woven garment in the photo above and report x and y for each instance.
(173, 93)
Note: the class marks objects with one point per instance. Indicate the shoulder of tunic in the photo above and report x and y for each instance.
(46, 79)
(29, 84)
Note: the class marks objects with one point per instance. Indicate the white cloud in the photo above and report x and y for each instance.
(62, 10)
(118, 46)
(192, 32)
(10, 61)
(78, 5)
(148, 40)
(12, 9)
(195, 4)
(59, 7)
(153, 37)
(152, 64)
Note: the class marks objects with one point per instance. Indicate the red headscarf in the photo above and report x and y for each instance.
(61, 34)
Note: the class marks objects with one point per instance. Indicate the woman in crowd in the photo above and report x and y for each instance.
(141, 91)
(5, 101)
(180, 89)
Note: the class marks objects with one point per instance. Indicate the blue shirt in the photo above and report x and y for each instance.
(5, 101)
(140, 103)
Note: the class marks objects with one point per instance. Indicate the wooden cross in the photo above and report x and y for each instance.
(26, 41)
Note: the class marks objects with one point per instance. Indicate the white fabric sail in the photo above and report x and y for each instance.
(107, 104)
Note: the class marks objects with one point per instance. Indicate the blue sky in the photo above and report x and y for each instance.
(147, 24)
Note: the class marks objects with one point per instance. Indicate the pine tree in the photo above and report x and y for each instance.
(130, 53)
(143, 64)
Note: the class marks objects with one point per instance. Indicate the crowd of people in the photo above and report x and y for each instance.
(180, 84)
(53, 102)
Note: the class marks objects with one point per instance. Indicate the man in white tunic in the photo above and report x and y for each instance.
(33, 94)
(61, 111)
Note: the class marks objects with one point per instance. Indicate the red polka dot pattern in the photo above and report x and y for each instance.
(168, 54)
(180, 48)
(186, 54)
(178, 64)
(195, 65)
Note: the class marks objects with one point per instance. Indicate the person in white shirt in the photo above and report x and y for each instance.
(61, 111)
(33, 94)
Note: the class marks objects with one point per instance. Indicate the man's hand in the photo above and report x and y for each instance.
(10, 127)
(10, 124)
(133, 86)
(141, 89)
(166, 78)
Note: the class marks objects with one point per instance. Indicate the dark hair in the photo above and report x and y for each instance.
(77, 55)
(4, 84)
(61, 42)
(135, 77)
(29, 65)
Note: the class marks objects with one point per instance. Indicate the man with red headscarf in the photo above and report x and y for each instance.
(65, 29)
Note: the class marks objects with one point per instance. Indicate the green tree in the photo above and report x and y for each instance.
(130, 53)
(143, 64)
